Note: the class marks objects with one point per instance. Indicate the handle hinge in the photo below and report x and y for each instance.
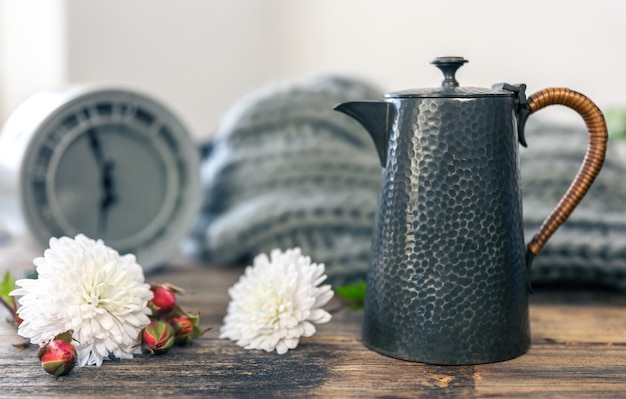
(521, 106)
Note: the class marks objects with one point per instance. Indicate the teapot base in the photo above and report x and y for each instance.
(436, 360)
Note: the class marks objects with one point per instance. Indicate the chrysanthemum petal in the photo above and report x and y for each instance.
(281, 347)
(324, 296)
(319, 316)
(308, 328)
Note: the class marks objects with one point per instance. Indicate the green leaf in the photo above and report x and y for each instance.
(6, 286)
(353, 294)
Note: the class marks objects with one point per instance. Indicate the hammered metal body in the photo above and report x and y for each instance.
(447, 282)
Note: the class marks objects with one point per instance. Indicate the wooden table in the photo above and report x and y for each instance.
(579, 351)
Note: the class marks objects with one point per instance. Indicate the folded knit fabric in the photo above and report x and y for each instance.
(285, 170)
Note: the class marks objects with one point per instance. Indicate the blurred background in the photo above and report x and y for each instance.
(200, 57)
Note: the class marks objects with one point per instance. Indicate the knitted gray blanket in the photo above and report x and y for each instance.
(285, 170)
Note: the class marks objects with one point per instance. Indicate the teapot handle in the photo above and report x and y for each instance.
(591, 165)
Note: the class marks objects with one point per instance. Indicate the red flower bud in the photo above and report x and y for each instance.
(164, 299)
(58, 357)
(183, 328)
(186, 327)
(158, 337)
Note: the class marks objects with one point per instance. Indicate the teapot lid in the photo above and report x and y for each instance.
(449, 85)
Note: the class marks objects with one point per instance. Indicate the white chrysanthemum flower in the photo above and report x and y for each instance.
(85, 286)
(277, 301)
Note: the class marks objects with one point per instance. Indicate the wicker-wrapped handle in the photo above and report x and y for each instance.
(592, 163)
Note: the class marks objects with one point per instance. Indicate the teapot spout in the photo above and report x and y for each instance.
(376, 117)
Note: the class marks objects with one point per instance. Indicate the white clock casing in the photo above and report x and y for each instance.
(105, 162)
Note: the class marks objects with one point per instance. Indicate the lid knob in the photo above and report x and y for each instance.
(448, 66)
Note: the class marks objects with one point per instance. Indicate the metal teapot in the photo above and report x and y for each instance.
(449, 270)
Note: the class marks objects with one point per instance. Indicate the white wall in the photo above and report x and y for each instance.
(197, 56)
(201, 56)
(32, 49)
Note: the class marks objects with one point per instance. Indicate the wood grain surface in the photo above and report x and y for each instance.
(579, 351)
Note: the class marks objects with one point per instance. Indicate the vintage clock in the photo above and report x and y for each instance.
(109, 163)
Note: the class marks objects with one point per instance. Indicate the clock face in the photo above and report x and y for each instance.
(111, 164)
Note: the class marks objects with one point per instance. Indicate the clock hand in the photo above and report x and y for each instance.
(96, 147)
(107, 181)
(109, 197)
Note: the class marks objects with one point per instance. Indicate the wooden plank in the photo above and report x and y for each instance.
(579, 350)
(552, 370)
